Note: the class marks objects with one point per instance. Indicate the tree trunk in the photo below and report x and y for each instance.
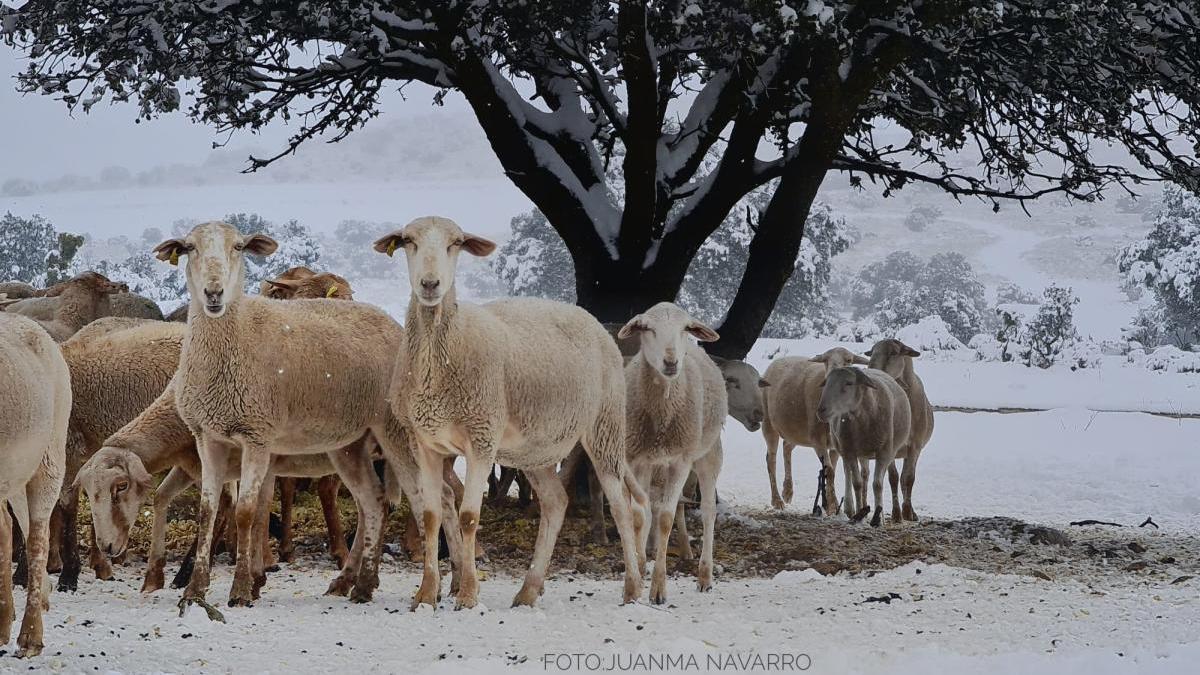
(613, 292)
(771, 261)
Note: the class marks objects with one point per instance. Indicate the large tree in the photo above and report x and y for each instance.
(788, 90)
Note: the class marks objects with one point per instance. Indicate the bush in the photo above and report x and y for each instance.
(1052, 329)
(929, 334)
(902, 289)
(922, 216)
(31, 250)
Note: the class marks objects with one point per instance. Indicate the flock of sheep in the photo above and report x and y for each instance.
(303, 382)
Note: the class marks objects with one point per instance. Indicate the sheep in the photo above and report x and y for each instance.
(179, 314)
(71, 305)
(35, 387)
(17, 290)
(117, 370)
(302, 282)
(297, 377)
(675, 408)
(895, 358)
(790, 404)
(43, 305)
(869, 419)
(516, 382)
(135, 306)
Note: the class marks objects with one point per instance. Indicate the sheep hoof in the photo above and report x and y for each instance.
(787, 491)
(909, 514)
(896, 516)
(104, 572)
(877, 518)
(28, 647)
(658, 596)
(633, 589)
(704, 580)
(68, 582)
(777, 503)
(361, 595)
(817, 510)
(463, 601)
(213, 613)
(340, 587)
(858, 517)
(526, 597)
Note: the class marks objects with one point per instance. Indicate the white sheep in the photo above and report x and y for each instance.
(516, 382)
(280, 377)
(790, 402)
(869, 419)
(675, 408)
(896, 359)
(35, 393)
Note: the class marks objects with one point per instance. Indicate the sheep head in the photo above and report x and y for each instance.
(431, 245)
(116, 484)
(744, 391)
(839, 357)
(663, 331)
(323, 285)
(892, 356)
(215, 267)
(91, 283)
(842, 392)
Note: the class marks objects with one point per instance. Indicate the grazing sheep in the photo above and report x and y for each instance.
(744, 389)
(791, 415)
(44, 304)
(35, 389)
(516, 382)
(135, 306)
(117, 371)
(896, 359)
(301, 282)
(675, 408)
(80, 300)
(268, 377)
(869, 419)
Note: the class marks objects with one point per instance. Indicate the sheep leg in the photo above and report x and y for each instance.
(354, 465)
(831, 462)
(772, 439)
(68, 579)
(644, 475)
(907, 477)
(684, 545)
(54, 560)
(42, 493)
(894, 483)
(676, 475)
(552, 501)
(7, 612)
(213, 460)
(256, 465)
(176, 481)
(327, 490)
(260, 557)
(596, 498)
(479, 462)
(429, 462)
(877, 488)
(787, 472)
(287, 498)
(628, 504)
(707, 469)
(97, 560)
(850, 471)
(18, 553)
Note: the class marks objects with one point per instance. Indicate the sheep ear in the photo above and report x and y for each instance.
(277, 288)
(388, 243)
(819, 358)
(701, 332)
(477, 246)
(865, 380)
(762, 383)
(634, 325)
(905, 350)
(861, 361)
(137, 471)
(170, 250)
(259, 244)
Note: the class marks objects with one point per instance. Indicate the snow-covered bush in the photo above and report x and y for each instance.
(1010, 293)
(148, 276)
(902, 289)
(1167, 262)
(1052, 329)
(535, 261)
(1147, 329)
(297, 246)
(987, 347)
(922, 216)
(31, 250)
(1082, 354)
(929, 334)
(862, 330)
(1172, 359)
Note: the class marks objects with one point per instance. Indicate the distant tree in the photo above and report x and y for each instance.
(922, 216)
(534, 261)
(31, 250)
(297, 246)
(1167, 262)
(556, 84)
(902, 289)
(147, 276)
(1010, 293)
(1052, 330)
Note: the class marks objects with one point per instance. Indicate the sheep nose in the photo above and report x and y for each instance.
(430, 284)
(213, 296)
(757, 415)
(108, 549)
(670, 366)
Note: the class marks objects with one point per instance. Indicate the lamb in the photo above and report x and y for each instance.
(869, 419)
(895, 358)
(117, 370)
(516, 382)
(36, 389)
(80, 300)
(675, 408)
(252, 377)
(791, 415)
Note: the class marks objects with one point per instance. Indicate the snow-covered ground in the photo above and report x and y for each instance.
(1047, 467)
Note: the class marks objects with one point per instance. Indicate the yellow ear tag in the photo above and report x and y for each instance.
(391, 247)
(174, 258)
(332, 289)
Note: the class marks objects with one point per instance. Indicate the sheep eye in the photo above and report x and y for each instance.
(121, 487)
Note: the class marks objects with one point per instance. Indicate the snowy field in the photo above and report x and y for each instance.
(1047, 467)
